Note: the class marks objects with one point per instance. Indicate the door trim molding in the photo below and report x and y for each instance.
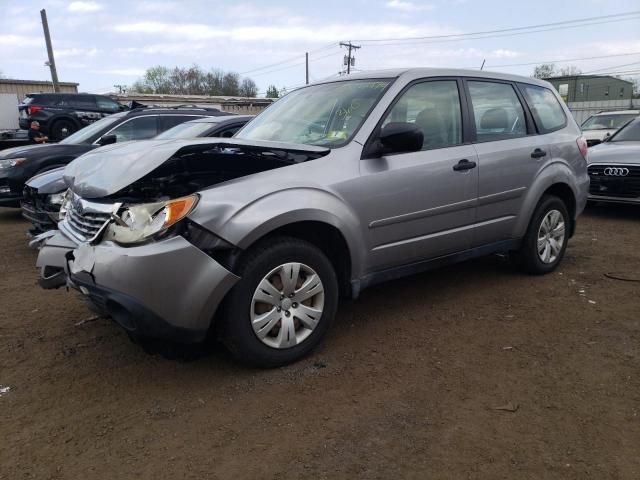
(429, 212)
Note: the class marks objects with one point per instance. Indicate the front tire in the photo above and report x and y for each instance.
(545, 242)
(283, 305)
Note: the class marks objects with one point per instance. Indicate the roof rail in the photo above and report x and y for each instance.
(174, 107)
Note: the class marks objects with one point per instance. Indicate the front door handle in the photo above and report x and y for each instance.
(463, 165)
(538, 153)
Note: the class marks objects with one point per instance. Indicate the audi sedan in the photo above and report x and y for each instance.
(614, 167)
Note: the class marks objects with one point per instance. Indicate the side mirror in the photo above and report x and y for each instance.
(107, 139)
(400, 137)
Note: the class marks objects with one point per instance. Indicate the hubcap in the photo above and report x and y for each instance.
(551, 236)
(287, 305)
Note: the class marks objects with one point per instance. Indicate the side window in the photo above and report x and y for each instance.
(545, 108)
(435, 108)
(83, 101)
(497, 111)
(228, 132)
(136, 129)
(170, 121)
(107, 104)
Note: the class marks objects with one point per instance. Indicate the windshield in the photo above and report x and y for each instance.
(326, 115)
(82, 136)
(629, 133)
(607, 122)
(186, 130)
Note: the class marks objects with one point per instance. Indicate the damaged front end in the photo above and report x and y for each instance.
(135, 253)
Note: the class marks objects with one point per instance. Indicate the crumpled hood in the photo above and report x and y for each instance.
(615, 152)
(109, 169)
(46, 150)
(51, 181)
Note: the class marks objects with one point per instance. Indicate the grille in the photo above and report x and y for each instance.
(611, 186)
(84, 220)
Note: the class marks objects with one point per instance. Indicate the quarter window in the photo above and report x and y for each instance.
(107, 104)
(136, 129)
(435, 108)
(545, 107)
(497, 111)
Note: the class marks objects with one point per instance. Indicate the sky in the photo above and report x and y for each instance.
(102, 43)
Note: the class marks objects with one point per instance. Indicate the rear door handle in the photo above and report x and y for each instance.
(538, 153)
(464, 164)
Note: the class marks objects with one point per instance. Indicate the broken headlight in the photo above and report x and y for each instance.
(139, 223)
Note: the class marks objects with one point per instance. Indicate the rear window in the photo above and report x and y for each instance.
(546, 110)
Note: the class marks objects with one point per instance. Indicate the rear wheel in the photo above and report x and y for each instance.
(546, 239)
(283, 305)
(60, 129)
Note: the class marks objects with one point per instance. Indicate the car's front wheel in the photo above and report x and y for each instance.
(283, 304)
(546, 239)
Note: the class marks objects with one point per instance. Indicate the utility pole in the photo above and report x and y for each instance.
(306, 62)
(350, 60)
(51, 62)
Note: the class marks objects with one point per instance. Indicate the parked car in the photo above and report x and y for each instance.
(614, 167)
(600, 126)
(13, 138)
(337, 186)
(62, 114)
(43, 194)
(19, 164)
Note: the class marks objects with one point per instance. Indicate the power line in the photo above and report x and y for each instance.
(562, 61)
(612, 67)
(311, 59)
(291, 59)
(498, 35)
(503, 30)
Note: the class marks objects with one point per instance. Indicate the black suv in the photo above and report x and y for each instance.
(19, 164)
(61, 114)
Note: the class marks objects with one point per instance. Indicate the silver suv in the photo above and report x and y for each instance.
(336, 187)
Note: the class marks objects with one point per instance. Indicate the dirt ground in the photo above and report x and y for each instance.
(409, 383)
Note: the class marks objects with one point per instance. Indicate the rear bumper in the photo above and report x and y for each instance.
(168, 290)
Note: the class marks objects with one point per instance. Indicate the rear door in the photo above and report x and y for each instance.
(170, 121)
(137, 128)
(509, 156)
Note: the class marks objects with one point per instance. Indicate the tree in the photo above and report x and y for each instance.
(570, 71)
(248, 88)
(193, 81)
(544, 70)
(231, 84)
(272, 92)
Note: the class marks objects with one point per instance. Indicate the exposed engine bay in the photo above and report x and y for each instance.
(194, 168)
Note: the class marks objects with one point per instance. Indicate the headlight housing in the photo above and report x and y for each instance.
(56, 198)
(139, 223)
(11, 162)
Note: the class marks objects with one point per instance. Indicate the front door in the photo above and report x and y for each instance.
(421, 205)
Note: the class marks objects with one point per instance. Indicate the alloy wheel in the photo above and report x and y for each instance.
(287, 305)
(551, 236)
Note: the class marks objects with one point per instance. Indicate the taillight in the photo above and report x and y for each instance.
(31, 109)
(582, 146)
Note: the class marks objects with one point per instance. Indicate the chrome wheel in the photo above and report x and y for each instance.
(287, 305)
(551, 236)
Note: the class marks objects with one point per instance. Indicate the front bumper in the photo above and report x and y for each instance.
(168, 289)
(9, 194)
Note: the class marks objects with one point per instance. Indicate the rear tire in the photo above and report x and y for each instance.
(545, 242)
(283, 305)
(61, 129)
